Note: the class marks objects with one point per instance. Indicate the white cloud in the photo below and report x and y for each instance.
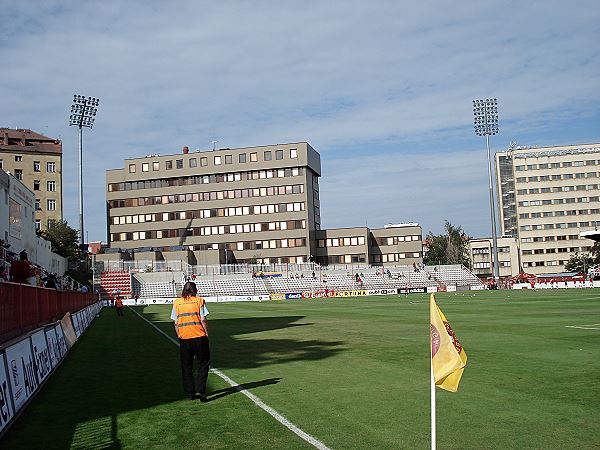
(385, 76)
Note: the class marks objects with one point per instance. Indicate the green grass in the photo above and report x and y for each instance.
(353, 373)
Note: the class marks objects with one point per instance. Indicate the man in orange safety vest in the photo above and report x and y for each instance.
(189, 314)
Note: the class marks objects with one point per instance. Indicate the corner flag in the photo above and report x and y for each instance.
(448, 357)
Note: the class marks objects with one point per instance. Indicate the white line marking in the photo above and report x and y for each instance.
(257, 401)
(584, 327)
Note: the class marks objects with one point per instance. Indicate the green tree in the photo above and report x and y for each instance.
(449, 248)
(63, 238)
(580, 262)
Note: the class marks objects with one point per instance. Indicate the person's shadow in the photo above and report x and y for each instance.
(220, 393)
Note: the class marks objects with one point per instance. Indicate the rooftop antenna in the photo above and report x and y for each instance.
(214, 144)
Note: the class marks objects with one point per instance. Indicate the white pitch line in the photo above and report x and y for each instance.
(584, 327)
(257, 401)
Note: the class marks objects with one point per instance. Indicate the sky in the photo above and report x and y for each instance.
(382, 90)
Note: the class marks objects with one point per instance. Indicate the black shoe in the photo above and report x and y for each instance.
(192, 397)
(203, 398)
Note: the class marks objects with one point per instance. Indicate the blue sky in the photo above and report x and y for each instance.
(381, 89)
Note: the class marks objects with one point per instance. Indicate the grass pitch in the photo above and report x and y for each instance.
(353, 373)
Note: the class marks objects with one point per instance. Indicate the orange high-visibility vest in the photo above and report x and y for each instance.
(118, 303)
(188, 317)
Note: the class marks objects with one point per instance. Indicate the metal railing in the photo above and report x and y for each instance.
(24, 307)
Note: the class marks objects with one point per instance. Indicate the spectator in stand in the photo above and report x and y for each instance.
(84, 289)
(20, 270)
(51, 281)
(3, 274)
(314, 275)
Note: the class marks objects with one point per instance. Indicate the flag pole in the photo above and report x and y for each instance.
(433, 443)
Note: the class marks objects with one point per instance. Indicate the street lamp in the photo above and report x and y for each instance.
(485, 114)
(83, 114)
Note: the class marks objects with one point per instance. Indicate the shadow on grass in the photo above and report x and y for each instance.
(122, 365)
(220, 393)
(241, 343)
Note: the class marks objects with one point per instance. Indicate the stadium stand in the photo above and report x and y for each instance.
(236, 283)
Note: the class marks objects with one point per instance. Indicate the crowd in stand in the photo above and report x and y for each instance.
(18, 269)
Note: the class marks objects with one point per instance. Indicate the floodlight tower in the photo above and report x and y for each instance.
(485, 114)
(83, 114)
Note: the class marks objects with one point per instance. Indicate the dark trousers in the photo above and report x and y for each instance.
(188, 349)
(119, 311)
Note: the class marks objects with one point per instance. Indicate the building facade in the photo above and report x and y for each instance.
(242, 205)
(547, 197)
(254, 204)
(36, 160)
(394, 244)
(480, 253)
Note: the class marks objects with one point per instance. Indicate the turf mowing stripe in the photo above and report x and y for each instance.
(583, 327)
(257, 401)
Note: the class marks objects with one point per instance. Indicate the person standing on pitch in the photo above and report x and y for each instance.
(189, 313)
(119, 306)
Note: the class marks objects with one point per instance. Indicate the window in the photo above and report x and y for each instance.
(179, 163)
(145, 167)
(293, 153)
(18, 174)
(193, 162)
(155, 166)
(242, 158)
(228, 159)
(217, 160)
(51, 186)
(36, 166)
(50, 167)
(37, 204)
(268, 155)
(18, 158)
(38, 224)
(168, 165)
(131, 168)
(36, 185)
(278, 154)
(51, 205)
(253, 157)
(1, 164)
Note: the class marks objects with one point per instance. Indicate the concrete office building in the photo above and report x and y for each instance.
(36, 160)
(480, 253)
(547, 197)
(254, 204)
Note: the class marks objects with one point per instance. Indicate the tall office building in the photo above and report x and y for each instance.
(254, 204)
(547, 196)
(36, 160)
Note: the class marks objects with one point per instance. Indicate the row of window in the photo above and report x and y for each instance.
(267, 155)
(571, 212)
(205, 179)
(579, 187)
(560, 262)
(50, 185)
(394, 240)
(560, 201)
(566, 237)
(207, 213)
(589, 162)
(50, 205)
(486, 250)
(38, 224)
(540, 251)
(210, 231)
(208, 196)
(50, 166)
(558, 226)
(240, 246)
(486, 265)
(395, 257)
(342, 259)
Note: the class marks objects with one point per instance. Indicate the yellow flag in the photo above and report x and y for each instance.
(448, 356)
